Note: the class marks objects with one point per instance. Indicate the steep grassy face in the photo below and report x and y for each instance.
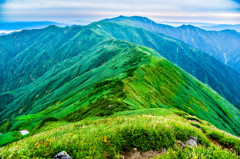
(223, 45)
(28, 55)
(162, 84)
(207, 69)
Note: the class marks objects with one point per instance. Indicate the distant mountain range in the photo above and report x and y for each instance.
(206, 26)
(2, 34)
(222, 27)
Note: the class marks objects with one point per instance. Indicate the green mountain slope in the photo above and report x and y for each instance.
(27, 55)
(59, 88)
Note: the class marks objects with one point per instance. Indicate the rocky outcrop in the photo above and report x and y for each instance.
(24, 132)
(192, 141)
(137, 154)
(62, 155)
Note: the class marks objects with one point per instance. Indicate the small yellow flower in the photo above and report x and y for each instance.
(71, 134)
(36, 145)
(104, 139)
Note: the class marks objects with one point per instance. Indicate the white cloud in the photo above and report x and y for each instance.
(123, 4)
(87, 9)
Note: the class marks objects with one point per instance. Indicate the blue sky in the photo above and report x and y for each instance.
(209, 11)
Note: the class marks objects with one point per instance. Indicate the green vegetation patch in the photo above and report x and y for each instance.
(163, 84)
(9, 137)
(102, 107)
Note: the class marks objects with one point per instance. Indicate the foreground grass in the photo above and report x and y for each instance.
(109, 137)
(200, 152)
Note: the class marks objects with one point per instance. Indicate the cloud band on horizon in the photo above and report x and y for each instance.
(70, 10)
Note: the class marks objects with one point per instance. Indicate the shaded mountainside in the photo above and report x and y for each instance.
(223, 45)
(222, 27)
(90, 73)
(27, 55)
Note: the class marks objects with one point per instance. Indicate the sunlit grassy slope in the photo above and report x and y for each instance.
(92, 74)
(111, 137)
(158, 83)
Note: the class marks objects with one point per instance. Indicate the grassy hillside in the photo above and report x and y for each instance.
(158, 83)
(163, 84)
(115, 136)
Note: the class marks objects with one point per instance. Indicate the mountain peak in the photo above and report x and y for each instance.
(132, 18)
(188, 26)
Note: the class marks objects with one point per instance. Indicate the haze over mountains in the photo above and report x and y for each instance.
(205, 26)
(222, 27)
(120, 64)
(10, 27)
